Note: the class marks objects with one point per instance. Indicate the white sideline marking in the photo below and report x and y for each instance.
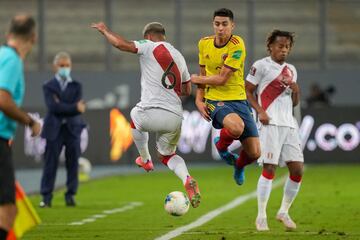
(105, 213)
(211, 215)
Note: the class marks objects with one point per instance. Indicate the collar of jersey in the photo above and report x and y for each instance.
(223, 44)
(15, 50)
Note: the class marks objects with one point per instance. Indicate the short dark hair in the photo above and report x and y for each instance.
(224, 12)
(154, 27)
(22, 25)
(278, 33)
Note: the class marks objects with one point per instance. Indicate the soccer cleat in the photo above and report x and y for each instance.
(148, 166)
(227, 156)
(286, 220)
(239, 175)
(193, 192)
(261, 224)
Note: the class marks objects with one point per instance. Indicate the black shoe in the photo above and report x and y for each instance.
(45, 204)
(70, 201)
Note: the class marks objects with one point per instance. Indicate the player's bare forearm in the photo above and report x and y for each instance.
(200, 104)
(215, 80)
(295, 95)
(202, 73)
(199, 98)
(10, 109)
(295, 98)
(250, 89)
(254, 104)
(120, 42)
(200, 93)
(262, 115)
(115, 39)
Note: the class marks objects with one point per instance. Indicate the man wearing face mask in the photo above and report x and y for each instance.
(62, 127)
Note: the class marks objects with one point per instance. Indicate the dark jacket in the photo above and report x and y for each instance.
(62, 109)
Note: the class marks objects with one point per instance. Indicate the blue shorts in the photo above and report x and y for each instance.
(219, 110)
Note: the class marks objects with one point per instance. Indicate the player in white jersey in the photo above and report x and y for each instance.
(164, 77)
(274, 83)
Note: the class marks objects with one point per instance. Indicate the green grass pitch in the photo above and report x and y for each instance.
(327, 207)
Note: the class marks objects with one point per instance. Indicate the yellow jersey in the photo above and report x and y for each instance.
(213, 58)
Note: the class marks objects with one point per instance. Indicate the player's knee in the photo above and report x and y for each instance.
(296, 170)
(254, 154)
(269, 169)
(257, 154)
(237, 129)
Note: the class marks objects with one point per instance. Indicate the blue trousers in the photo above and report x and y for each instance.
(51, 161)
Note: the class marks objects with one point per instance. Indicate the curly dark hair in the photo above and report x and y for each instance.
(278, 33)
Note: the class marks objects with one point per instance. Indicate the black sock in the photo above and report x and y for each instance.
(3, 234)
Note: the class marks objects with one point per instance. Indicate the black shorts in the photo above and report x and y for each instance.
(7, 175)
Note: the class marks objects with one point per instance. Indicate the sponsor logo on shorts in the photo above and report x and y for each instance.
(220, 104)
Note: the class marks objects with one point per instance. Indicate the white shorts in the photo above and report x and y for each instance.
(166, 125)
(279, 145)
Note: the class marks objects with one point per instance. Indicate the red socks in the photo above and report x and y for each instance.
(295, 178)
(243, 160)
(226, 139)
(267, 175)
(165, 159)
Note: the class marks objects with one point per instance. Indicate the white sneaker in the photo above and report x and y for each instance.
(286, 220)
(261, 224)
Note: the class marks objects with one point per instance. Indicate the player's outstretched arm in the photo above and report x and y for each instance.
(215, 80)
(115, 39)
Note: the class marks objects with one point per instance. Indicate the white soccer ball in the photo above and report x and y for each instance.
(84, 169)
(84, 165)
(177, 203)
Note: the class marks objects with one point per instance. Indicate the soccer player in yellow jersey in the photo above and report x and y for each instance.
(221, 95)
